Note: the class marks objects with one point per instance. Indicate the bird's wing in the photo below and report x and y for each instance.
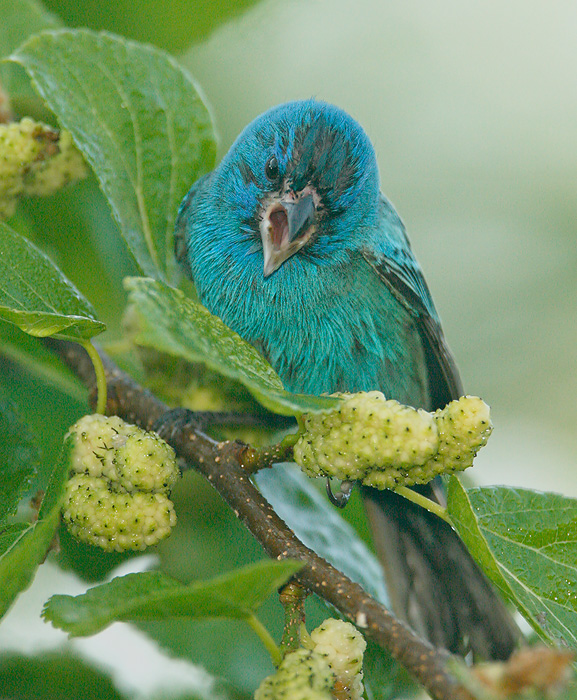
(182, 226)
(389, 253)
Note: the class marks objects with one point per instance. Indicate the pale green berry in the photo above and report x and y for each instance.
(302, 675)
(146, 463)
(35, 159)
(366, 434)
(117, 498)
(385, 445)
(464, 427)
(115, 521)
(343, 646)
(96, 439)
(54, 173)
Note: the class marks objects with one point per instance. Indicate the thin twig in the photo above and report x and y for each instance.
(252, 460)
(292, 597)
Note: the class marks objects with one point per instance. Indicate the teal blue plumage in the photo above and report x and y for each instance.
(291, 243)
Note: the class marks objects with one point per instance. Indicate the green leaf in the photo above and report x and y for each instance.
(35, 295)
(321, 527)
(60, 674)
(153, 595)
(170, 322)
(526, 542)
(384, 678)
(19, 457)
(56, 674)
(464, 519)
(24, 546)
(36, 359)
(10, 535)
(19, 19)
(174, 30)
(139, 121)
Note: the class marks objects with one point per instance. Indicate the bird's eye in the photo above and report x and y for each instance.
(271, 169)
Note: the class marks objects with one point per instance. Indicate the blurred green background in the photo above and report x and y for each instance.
(472, 108)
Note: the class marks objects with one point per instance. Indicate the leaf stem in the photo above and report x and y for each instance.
(425, 502)
(100, 373)
(265, 637)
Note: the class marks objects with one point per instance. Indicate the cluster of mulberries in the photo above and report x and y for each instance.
(385, 444)
(35, 160)
(330, 667)
(118, 495)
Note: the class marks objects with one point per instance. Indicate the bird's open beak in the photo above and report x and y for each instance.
(286, 226)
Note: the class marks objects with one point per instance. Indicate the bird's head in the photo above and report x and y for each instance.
(302, 178)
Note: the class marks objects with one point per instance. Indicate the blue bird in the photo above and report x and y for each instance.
(291, 243)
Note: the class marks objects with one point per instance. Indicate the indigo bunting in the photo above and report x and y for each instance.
(290, 242)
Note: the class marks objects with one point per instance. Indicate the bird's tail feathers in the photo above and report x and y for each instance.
(433, 582)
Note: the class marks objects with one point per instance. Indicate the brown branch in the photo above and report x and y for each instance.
(220, 463)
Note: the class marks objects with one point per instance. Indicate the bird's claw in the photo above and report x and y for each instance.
(341, 497)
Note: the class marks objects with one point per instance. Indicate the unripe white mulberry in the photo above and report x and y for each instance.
(115, 521)
(367, 434)
(330, 667)
(386, 445)
(35, 159)
(302, 675)
(464, 427)
(96, 439)
(343, 646)
(118, 496)
(146, 463)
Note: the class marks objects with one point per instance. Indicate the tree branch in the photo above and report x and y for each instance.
(220, 463)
